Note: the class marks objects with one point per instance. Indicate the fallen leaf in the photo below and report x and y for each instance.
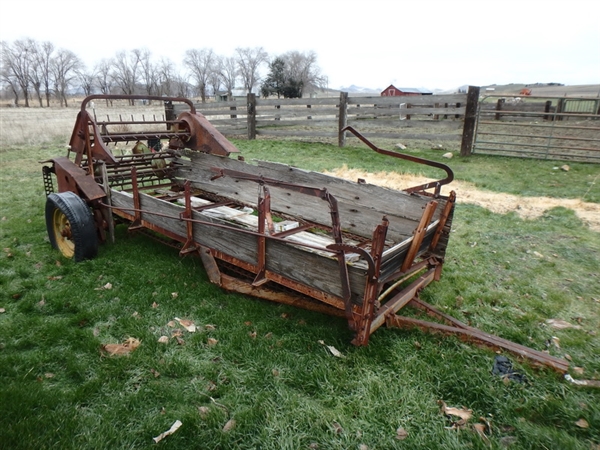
(187, 324)
(136, 315)
(582, 423)
(212, 341)
(42, 302)
(203, 411)
(107, 286)
(58, 263)
(163, 339)
(252, 335)
(174, 294)
(176, 332)
(269, 335)
(578, 370)
(154, 305)
(179, 340)
(401, 434)
(363, 447)
(559, 324)
(247, 323)
(154, 372)
(334, 351)
(337, 428)
(169, 432)
(480, 429)
(49, 375)
(2, 310)
(285, 316)
(210, 327)
(568, 357)
(230, 425)
(129, 345)
(464, 414)
(556, 341)
(211, 386)
(275, 372)
(171, 324)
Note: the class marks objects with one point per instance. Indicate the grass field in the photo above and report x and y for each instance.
(254, 374)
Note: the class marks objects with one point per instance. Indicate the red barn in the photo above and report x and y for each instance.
(393, 91)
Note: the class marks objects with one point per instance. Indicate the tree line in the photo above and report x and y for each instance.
(33, 70)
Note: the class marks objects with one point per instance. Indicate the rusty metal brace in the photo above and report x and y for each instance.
(469, 334)
(190, 244)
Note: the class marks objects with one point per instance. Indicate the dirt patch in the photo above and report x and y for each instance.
(525, 207)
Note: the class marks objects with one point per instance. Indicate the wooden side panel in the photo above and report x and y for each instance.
(361, 206)
(310, 269)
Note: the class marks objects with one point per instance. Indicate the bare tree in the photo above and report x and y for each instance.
(16, 60)
(104, 78)
(148, 72)
(167, 77)
(249, 61)
(64, 65)
(303, 68)
(126, 68)
(201, 63)
(36, 70)
(6, 74)
(228, 71)
(44, 56)
(87, 80)
(214, 77)
(181, 86)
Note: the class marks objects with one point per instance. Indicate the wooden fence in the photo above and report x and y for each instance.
(449, 119)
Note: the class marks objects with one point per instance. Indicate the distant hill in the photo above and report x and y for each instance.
(360, 90)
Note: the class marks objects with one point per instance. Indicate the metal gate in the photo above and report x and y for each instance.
(555, 128)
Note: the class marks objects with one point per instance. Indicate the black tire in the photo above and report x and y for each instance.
(71, 227)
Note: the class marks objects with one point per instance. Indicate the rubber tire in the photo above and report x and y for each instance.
(67, 209)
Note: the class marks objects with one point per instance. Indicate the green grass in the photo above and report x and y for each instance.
(282, 387)
(494, 173)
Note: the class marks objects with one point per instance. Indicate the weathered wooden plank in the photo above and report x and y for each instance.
(283, 113)
(296, 133)
(377, 198)
(326, 121)
(361, 208)
(414, 111)
(297, 101)
(412, 99)
(429, 136)
(420, 122)
(287, 260)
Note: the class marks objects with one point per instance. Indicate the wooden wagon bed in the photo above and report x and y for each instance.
(265, 229)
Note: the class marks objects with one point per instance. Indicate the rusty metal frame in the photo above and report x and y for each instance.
(436, 185)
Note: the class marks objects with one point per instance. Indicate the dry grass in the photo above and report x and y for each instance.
(36, 126)
(499, 203)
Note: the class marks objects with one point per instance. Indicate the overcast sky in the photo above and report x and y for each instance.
(370, 43)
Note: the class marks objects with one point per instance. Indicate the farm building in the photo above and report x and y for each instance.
(393, 91)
